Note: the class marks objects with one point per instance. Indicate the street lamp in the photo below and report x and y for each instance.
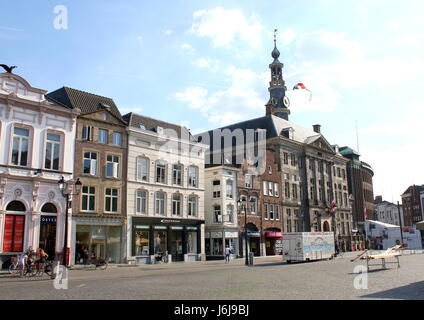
(243, 207)
(64, 188)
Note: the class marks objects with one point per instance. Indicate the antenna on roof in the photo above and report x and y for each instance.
(357, 137)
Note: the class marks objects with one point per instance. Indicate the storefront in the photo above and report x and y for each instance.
(98, 239)
(273, 242)
(217, 241)
(179, 238)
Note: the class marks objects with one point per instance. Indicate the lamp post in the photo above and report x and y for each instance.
(64, 188)
(244, 207)
(400, 224)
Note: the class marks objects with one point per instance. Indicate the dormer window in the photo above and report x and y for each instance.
(288, 133)
(159, 130)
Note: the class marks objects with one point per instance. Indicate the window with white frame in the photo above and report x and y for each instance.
(141, 202)
(160, 172)
(177, 174)
(52, 155)
(270, 189)
(111, 200)
(193, 177)
(142, 168)
(192, 206)
(160, 203)
(265, 186)
(277, 212)
(217, 214)
(176, 204)
(112, 166)
(90, 163)
(87, 132)
(254, 205)
(248, 181)
(230, 213)
(271, 212)
(230, 189)
(20, 146)
(276, 190)
(266, 211)
(102, 136)
(88, 198)
(117, 138)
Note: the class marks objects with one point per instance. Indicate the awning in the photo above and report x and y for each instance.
(420, 225)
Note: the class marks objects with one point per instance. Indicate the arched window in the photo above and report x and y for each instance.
(49, 208)
(16, 206)
(142, 169)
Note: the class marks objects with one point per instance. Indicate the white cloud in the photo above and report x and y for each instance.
(223, 27)
(168, 32)
(244, 97)
(212, 64)
(286, 36)
(188, 48)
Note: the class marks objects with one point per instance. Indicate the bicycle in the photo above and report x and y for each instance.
(160, 257)
(98, 263)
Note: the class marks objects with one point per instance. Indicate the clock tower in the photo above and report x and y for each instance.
(278, 102)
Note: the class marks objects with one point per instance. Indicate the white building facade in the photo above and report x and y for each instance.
(221, 223)
(165, 191)
(387, 212)
(37, 139)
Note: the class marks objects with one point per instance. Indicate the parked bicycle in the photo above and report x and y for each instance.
(30, 269)
(160, 257)
(97, 263)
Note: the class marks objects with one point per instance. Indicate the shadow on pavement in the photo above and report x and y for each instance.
(413, 291)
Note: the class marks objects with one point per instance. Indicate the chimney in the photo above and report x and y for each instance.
(317, 128)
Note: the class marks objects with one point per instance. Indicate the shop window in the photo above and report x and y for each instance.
(141, 243)
(217, 249)
(191, 242)
(160, 243)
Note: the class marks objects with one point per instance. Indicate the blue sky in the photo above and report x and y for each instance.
(205, 64)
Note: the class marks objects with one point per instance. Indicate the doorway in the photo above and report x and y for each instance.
(177, 245)
(47, 240)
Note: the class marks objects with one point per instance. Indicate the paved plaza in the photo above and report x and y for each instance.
(269, 278)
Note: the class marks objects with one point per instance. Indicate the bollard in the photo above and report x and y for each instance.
(250, 258)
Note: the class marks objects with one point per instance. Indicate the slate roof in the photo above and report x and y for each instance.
(273, 126)
(136, 121)
(87, 102)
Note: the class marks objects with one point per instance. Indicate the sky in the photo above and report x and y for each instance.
(204, 64)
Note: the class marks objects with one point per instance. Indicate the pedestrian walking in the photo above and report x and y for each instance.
(22, 263)
(227, 254)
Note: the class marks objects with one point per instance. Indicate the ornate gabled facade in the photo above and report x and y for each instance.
(99, 211)
(37, 142)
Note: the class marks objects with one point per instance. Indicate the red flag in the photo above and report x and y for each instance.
(332, 205)
(300, 85)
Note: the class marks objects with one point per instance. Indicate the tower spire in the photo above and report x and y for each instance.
(278, 103)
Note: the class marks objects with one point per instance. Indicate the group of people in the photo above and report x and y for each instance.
(30, 257)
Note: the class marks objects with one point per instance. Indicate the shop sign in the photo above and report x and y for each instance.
(253, 234)
(229, 234)
(273, 234)
(216, 234)
(48, 219)
(170, 221)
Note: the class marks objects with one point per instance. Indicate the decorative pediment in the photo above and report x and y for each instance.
(103, 115)
(321, 143)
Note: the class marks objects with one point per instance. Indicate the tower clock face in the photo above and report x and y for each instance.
(273, 101)
(286, 102)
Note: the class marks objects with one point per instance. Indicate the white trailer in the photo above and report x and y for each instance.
(308, 246)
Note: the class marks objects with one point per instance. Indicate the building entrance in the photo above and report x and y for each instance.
(47, 240)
